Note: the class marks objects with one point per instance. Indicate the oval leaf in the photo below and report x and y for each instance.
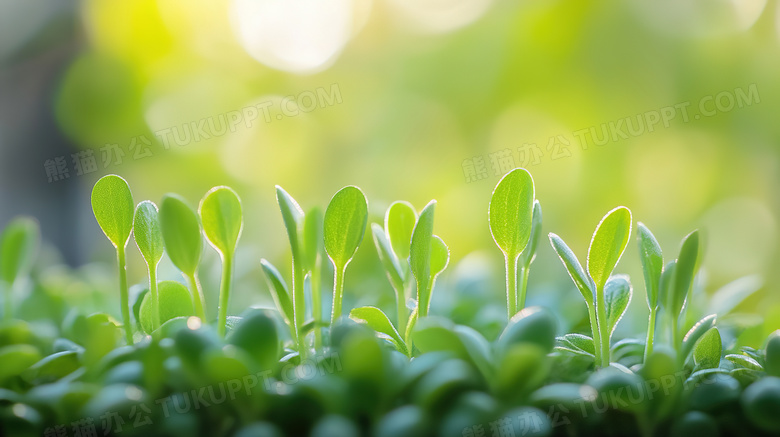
(220, 214)
(345, 224)
(511, 211)
(652, 263)
(378, 321)
(147, 234)
(706, 353)
(18, 246)
(573, 266)
(112, 204)
(617, 294)
(399, 225)
(607, 245)
(175, 301)
(181, 233)
(578, 343)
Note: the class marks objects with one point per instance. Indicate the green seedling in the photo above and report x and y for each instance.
(345, 224)
(528, 254)
(18, 246)
(652, 266)
(183, 240)
(280, 294)
(707, 351)
(112, 204)
(293, 218)
(606, 247)
(428, 257)
(312, 254)
(378, 321)
(220, 213)
(148, 238)
(393, 243)
(675, 287)
(510, 216)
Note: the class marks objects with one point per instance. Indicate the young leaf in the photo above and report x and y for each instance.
(511, 211)
(146, 231)
(378, 321)
(220, 214)
(652, 263)
(695, 334)
(345, 224)
(399, 224)
(292, 215)
(529, 253)
(684, 271)
(617, 293)
(112, 204)
(181, 233)
(665, 287)
(573, 266)
(578, 343)
(18, 244)
(607, 245)
(175, 301)
(420, 256)
(387, 257)
(420, 251)
(706, 353)
(279, 291)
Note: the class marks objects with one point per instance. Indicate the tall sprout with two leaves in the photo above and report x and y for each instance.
(18, 246)
(222, 218)
(393, 245)
(606, 297)
(515, 223)
(183, 241)
(112, 204)
(343, 230)
(428, 257)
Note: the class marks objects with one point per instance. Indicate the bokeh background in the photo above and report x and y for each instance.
(408, 99)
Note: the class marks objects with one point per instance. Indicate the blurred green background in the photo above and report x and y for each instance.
(408, 99)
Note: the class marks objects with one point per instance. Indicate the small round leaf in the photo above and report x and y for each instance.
(175, 301)
(399, 225)
(181, 233)
(112, 204)
(511, 211)
(220, 213)
(345, 224)
(147, 234)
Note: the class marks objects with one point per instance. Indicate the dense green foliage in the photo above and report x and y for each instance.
(409, 372)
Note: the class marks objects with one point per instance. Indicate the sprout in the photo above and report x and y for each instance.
(112, 204)
(183, 240)
(510, 216)
(343, 230)
(220, 213)
(652, 265)
(148, 238)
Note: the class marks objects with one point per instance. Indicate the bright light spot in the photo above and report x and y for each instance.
(441, 15)
(19, 410)
(299, 36)
(133, 393)
(193, 323)
(700, 18)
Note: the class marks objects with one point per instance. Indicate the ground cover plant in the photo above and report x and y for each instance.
(166, 369)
